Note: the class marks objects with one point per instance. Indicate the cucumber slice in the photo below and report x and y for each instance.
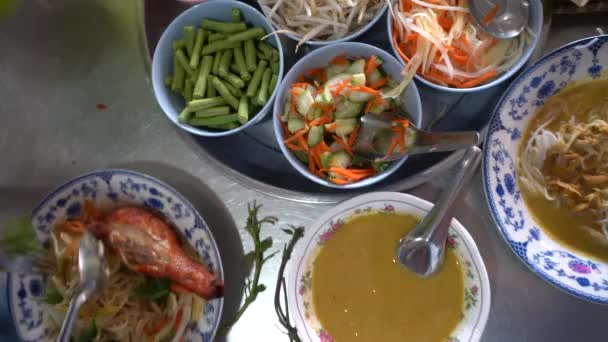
(336, 69)
(326, 159)
(302, 156)
(348, 109)
(337, 79)
(295, 124)
(359, 96)
(315, 135)
(326, 96)
(304, 102)
(375, 76)
(345, 126)
(315, 113)
(358, 67)
(358, 80)
(340, 159)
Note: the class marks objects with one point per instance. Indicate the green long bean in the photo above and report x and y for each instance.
(200, 104)
(219, 46)
(196, 51)
(215, 120)
(256, 79)
(189, 39)
(225, 93)
(243, 111)
(262, 96)
(201, 83)
(225, 62)
(239, 59)
(214, 111)
(250, 55)
(252, 33)
(223, 27)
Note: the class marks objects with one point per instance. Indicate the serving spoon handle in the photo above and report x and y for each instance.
(422, 249)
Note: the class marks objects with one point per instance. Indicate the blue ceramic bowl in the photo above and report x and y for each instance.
(108, 189)
(320, 59)
(559, 264)
(162, 62)
(535, 23)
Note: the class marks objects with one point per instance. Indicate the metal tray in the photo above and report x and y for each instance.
(253, 158)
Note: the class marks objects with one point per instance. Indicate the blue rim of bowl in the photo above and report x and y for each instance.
(147, 178)
(351, 36)
(257, 118)
(492, 123)
(503, 77)
(395, 165)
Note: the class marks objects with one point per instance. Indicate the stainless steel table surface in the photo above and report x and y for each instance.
(59, 59)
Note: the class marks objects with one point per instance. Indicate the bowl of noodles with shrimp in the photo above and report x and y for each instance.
(545, 168)
(164, 276)
(451, 52)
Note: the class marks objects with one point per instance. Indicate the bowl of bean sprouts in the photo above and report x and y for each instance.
(322, 22)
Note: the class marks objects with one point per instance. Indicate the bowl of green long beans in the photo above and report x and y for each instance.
(215, 71)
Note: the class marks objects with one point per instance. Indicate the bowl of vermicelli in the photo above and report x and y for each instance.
(320, 22)
(164, 275)
(450, 50)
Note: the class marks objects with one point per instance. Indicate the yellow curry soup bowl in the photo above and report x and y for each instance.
(357, 230)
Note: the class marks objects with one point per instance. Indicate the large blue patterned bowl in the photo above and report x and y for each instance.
(107, 189)
(557, 263)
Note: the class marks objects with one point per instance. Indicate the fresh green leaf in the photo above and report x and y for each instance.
(266, 244)
(19, 237)
(88, 334)
(52, 296)
(380, 166)
(153, 288)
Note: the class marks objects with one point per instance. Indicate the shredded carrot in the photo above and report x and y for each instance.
(156, 328)
(368, 106)
(303, 143)
(178, 319)
(476, 81)
(320, 121)
(332, 126)
(365, 90)
(340, 87)
(353, 136)
(295, 136)
(491, 15)
(339, 60)
(323, 146)
(293, 147)
(371, 65)
(339, 181)
(301, 79)
(343, 144)
(379, 83)
(353, 174)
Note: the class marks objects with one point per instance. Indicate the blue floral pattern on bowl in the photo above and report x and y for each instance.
(107, 189)
(558, 264)
(476, 304)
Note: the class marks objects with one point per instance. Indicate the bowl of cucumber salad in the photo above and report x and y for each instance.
(319, 105)
(212, 73)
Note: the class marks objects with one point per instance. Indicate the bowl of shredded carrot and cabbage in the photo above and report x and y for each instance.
(450, 51)
(318, 110)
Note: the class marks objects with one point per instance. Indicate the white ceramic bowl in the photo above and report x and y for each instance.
(346, 38)
(535, 24)
(559, 264)
(108, 189)
(162, 62)
(299, 289)
(320, 59)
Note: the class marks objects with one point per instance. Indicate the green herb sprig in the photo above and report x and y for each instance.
(252, 285)
(280, 294)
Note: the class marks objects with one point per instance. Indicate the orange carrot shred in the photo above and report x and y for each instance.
(476, 81)
(339, 60)
(379, 83)
(341, 142)
(491, 15)
(371, 65)
(353, 136)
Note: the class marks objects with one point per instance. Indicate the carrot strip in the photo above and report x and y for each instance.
(339, 60)
(403, 56)
(320, 121)
(323, 146)
(353, 136)
(295, 136)
(365, 90)
(303, 143)
(379, 83)
(392, 146)
(371, 65)
(339, 181)
(353, 174)
(343, 144)
(491, 15)
(294, 147)
(476, 81)
(155, 329)
(332, 126)
(178, 319)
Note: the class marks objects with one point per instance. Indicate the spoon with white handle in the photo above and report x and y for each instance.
(91, 265)
(422, 250)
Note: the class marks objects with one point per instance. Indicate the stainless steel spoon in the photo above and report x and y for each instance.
(91, 265)
(510, 20)
(422, 250)
(375, 137)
